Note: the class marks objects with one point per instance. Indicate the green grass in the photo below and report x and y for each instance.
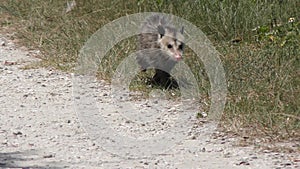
(260, 50)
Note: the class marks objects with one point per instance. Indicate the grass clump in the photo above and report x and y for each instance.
(258, 40)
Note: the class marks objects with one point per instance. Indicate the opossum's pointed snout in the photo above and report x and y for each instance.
(178, 57)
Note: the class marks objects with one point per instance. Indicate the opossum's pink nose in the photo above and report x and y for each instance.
(178, 56)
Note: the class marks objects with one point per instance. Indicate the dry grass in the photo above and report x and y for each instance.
(262, 66)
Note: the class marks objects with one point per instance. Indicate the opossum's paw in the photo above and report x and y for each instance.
(164, 82)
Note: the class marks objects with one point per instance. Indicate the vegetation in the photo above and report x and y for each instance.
(259, 42)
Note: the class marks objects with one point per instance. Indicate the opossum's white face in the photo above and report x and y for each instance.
(171, 41)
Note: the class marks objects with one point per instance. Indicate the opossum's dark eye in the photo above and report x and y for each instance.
(170, 46)
(180, 47)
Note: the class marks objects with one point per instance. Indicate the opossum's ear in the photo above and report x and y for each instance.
(181, 30)
(161, 30)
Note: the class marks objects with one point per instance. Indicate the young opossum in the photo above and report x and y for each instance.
(163, 48)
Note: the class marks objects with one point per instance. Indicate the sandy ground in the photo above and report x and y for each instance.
(41, 128)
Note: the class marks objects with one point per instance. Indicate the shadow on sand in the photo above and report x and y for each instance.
(29, 159)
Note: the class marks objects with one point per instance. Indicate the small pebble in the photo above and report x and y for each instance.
(286, 164)
(254, 157)
(243, 163)
(17, 133)
(48, 156)
(2, 43)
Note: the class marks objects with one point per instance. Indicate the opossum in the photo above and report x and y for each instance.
(160, 47)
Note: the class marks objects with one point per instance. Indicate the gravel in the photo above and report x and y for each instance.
(40, 126)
